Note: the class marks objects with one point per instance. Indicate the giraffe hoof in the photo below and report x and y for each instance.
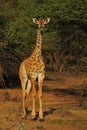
(33, 119)
(41, 120)
(23, 116)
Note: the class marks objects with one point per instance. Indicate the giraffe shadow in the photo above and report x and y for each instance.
(45, 113)
(49, 112)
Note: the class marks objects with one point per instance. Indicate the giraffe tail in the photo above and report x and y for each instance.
(28, 86)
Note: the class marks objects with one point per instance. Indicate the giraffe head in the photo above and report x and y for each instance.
(41, 22)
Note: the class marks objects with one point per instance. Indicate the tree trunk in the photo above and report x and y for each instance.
(2, 82)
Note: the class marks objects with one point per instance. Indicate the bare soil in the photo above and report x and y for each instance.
(62, 107)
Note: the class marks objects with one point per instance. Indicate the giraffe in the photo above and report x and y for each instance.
(33, 68)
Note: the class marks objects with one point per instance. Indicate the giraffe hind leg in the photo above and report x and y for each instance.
(28, 87)
(25, 92)
(24, 109)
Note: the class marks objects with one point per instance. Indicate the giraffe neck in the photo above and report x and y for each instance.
(38, 47)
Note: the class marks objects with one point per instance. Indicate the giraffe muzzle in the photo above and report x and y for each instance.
(41, 30)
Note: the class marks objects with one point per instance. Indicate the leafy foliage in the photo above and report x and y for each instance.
(66, 33)
(64, 38)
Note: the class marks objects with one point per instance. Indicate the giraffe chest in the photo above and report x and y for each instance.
(34, 65)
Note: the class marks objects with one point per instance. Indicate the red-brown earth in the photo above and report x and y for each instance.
(64, 105)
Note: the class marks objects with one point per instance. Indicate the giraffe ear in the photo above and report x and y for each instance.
(35, 20)
(47, 20)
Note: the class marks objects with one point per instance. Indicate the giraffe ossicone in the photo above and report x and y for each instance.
(33, 68)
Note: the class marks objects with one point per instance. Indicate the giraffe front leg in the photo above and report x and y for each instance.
(33, 98)
(40, 83)
(41, 107)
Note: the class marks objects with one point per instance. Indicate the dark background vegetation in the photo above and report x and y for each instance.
(64, 38)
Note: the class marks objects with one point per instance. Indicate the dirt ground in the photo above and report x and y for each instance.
(62, 107)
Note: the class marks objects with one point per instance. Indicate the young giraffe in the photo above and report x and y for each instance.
(32, 68)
